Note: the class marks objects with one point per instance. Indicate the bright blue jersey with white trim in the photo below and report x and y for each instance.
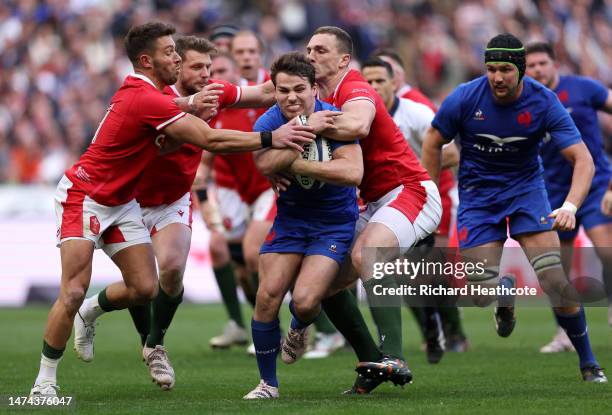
(581, 97)
(500, 143)
(328, 203)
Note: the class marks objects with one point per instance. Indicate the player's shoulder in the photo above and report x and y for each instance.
(271, 119)
(580, 82)
(324, 106)
(353, 82)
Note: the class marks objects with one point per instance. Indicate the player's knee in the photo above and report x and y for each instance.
(268, 299)
(251, 258)
(219, 250)
(356, 259)
(145, 292)
(171, 281)
(306, 304)
(72, 298)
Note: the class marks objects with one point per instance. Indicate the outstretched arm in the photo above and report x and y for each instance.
(190, 129)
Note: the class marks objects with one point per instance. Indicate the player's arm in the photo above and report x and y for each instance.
(352, 123)
(256, 96)
(607, 107)
(450, 155)
(190, 129)
(606, 201)
(577, 154)
(345, 168)
(432, 152)
(272, 161)
(202, 102)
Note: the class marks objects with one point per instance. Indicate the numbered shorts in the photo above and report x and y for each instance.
(158, 217)
(411, 212)
(528, 212)
(110, 228)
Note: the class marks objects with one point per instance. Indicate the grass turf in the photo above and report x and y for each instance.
(495, 376)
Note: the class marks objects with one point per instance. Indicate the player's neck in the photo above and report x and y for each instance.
(182, 91)
(327, 86)
(555, 82)
(158, 84)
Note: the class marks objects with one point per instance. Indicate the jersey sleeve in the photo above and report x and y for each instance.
(269, 121)
(597, 92)
(448, 118)
(158, 110)
(355, 91)
(560, 126)
(231, 94)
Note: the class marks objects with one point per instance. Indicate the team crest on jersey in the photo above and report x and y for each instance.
(478, 115)
(94, 225)
(563, 96)
(524, 119)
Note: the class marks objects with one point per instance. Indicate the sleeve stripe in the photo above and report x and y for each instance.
(361, 98)
(170, 121)
(238, 95)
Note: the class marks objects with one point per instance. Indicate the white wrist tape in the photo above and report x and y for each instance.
(190, 102)
(569, 206)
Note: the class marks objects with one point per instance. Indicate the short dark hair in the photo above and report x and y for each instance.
(293, 63)
(198, 44)
(374, 61)
(345, 43)
(141, 38)
(388, 53)
(543, 47)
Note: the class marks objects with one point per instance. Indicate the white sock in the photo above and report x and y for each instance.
(91, 310)
(47, 371)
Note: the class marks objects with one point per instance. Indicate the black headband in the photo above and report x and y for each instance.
(515, 57)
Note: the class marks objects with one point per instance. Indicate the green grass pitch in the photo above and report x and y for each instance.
(495, 376)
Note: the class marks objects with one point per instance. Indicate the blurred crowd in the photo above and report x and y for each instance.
(62, 60)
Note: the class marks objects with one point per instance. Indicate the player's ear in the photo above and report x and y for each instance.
(145, 61)
(315, 91)
(345, 60)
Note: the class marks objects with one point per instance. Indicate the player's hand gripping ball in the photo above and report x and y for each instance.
(318, 150)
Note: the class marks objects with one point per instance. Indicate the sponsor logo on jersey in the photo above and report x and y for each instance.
(543, 220)
(524, 119)
(82, 174)
(499, 143)
(94, 225)
(478, 115)
(333, 248)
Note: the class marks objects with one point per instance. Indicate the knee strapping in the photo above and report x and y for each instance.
(546, 261)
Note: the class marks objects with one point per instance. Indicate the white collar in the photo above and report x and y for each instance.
(143, 77)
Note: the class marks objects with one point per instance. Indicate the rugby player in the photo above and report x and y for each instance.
(403, 204)
(95, 200)
(413, 119)
(313, 229)
(501, 119)
(582, 97)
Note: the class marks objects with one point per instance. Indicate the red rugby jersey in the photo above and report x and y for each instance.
(388, 160)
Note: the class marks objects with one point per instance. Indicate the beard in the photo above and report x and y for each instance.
(165, 74)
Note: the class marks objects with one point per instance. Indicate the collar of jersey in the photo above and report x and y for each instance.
(144, 78)
(340, 83)
(396, 102)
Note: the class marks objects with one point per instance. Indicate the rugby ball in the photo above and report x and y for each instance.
(318, 150)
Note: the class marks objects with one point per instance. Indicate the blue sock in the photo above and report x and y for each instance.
(296, 323)
(576, 328)
(266, 338)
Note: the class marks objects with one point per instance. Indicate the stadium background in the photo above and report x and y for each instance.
(61, 61)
